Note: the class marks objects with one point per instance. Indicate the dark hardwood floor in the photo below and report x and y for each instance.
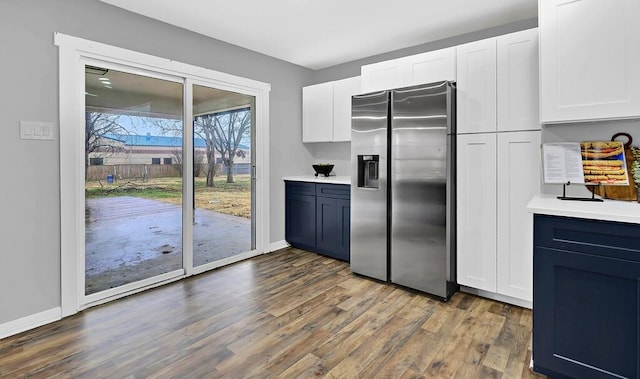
(286, 314)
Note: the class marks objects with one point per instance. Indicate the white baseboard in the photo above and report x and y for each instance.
(497, 296)
(278, 245)
(30, 322)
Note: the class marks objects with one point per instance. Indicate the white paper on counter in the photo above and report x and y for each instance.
(562, 163)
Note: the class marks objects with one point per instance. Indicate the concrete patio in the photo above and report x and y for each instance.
(129, 239)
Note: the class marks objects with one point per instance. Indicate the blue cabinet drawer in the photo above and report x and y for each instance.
(596, 237)
(300, 188)
(333, 191)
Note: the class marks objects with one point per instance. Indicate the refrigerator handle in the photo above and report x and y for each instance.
(451, 109)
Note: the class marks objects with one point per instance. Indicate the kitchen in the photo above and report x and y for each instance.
(36, 285)
(518, 182)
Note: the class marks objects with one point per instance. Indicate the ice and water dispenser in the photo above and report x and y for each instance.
(368, 169)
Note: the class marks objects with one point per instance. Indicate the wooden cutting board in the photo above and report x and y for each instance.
(619, 192)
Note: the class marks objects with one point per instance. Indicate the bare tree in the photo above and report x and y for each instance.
(223, 132)
(98, 134)
(177, 156)
(203, 127)
(198, 158)
(231, 128)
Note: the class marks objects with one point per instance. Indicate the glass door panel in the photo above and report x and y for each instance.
(133, 178)
(223, 166)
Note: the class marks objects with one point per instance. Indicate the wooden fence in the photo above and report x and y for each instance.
(140, 171)
(133, 171)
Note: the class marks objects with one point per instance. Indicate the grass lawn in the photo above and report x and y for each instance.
(229, 198)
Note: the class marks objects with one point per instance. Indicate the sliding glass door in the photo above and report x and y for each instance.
(162, 202)
(135, 207)
(133, 178)
(223, 175)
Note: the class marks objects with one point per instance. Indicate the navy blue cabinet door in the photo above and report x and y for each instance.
(333, 227)
(586, 310)
(300, 220)
(327, 227)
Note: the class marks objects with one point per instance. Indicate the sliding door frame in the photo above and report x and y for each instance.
(106, 295)
(191, 270)
(73, 53)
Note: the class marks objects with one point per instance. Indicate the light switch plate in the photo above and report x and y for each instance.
(36, 130)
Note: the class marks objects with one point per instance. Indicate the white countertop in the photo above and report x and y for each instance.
(320, 179)
(609, 210)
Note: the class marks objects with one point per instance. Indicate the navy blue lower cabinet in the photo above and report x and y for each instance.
(300, 215)
(330, 218)
(586, 298)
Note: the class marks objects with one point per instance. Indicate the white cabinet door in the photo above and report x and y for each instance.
(517, 81)
(432, 66)
(317, 113)
(476, 93)
(518, 182)
(589, 59)
(476, 210)
(383, 75)
(342, 92)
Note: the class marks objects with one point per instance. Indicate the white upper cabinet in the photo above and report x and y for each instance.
(589, 60)
(326, 110)
(476, 92)
(416, 69)
(342, 92)
(498, 84)
(517, 81)
(429, 67)
(317, 113)
(383, 75)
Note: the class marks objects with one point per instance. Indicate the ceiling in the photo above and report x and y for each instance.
(323, 33)
(120, 92)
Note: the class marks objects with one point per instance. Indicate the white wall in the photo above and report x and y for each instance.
(336, 153)
(30, 198)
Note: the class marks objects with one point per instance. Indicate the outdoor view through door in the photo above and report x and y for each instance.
(134, 185)
(133, 190)
(222, 174)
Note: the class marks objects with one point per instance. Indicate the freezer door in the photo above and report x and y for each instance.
(419, 173)
(369, 141)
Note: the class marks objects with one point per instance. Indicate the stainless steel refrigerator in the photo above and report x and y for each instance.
(403, 187)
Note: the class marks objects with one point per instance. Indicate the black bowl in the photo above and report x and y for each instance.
(323, 169)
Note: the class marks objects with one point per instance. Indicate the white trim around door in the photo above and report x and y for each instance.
(73, 52)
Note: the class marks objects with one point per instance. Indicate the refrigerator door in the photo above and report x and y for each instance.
(419, 173)
(369, 137)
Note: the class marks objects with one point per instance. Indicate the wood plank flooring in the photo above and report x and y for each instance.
(287, 314)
